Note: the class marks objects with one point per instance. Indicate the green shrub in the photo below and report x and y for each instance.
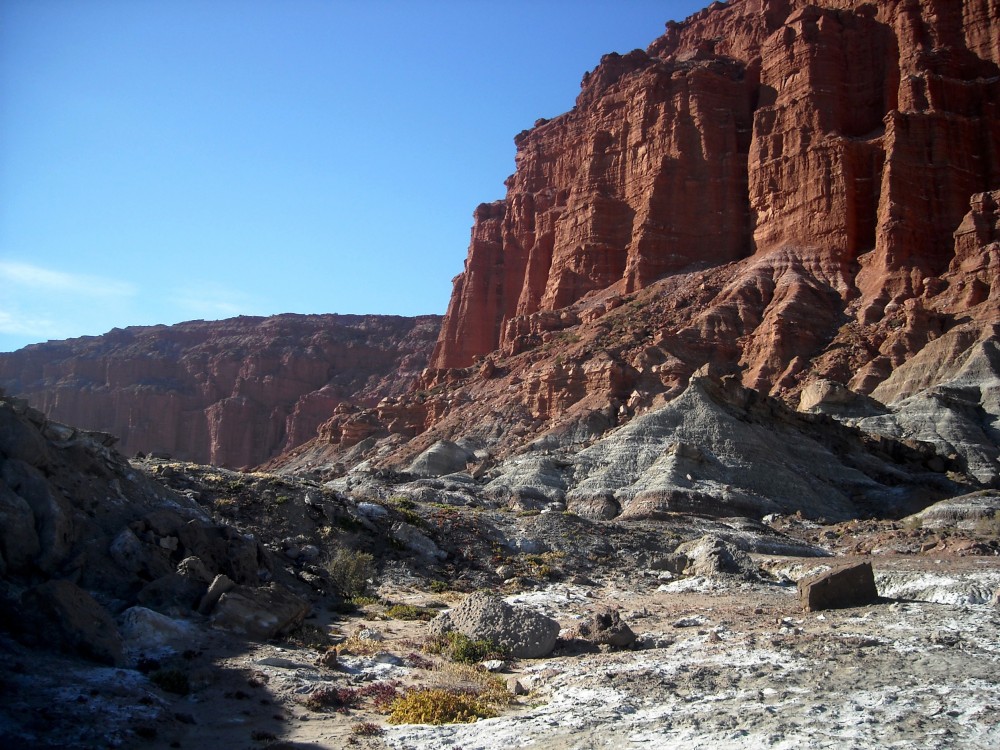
(438, 587)
(438, 706)
(410, 612)
(350, 571)
(459, 647)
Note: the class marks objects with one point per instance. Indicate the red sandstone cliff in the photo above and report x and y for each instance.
(233, 392)
(785, 189)
(834, 141)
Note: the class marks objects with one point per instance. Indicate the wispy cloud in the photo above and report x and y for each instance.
(31, 276)
(17, 324)
(211, 300)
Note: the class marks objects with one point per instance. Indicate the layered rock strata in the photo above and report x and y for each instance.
(830, 149)
(232, 393)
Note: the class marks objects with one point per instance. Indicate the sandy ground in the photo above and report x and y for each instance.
(733, 665)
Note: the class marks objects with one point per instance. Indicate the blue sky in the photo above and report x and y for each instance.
(169, 160)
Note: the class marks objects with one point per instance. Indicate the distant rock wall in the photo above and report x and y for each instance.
(232, 393)
(835, 143)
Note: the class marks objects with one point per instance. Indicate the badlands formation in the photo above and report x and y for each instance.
(734, 326)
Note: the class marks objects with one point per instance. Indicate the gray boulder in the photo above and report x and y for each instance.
(444, 457)
(521, 632)
(262, 613)
(151, 634)
(712, 556)
(416, 541)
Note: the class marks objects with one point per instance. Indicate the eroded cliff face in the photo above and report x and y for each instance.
(787, 191)
(831, 148)
(232, 393)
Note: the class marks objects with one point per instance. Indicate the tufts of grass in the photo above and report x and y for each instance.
(460, 648)
(410, 612)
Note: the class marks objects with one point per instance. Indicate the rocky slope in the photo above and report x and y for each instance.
(793, 192)
(232, 392)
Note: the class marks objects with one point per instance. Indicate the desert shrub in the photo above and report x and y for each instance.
(410, 612)
(438, 587)
(366, 729)
(416, 661)
(361, 646)
(468, 679)
(310, 636)
(459, 647)
(339, 699)
(407, 509)
(351, 570)
(171, 681)
(381, 694)
(438, 706)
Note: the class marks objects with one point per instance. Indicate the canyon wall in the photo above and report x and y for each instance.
(233, 392)
(830, 146)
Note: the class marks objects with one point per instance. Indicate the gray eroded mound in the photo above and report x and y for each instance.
(723, 450)
(949, 397)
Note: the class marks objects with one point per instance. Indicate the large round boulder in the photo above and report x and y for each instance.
(520, 631)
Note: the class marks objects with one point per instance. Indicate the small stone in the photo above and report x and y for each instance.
(328, 659)
(514, 686)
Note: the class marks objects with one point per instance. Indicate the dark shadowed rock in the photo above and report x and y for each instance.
(262, 612)
(61, 614)
(848, 586)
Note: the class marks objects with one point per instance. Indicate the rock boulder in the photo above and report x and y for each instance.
(521, 632)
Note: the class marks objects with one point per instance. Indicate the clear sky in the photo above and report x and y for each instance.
(170, 160)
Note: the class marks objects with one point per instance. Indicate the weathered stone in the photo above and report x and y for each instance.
(416, 541)
(152, 634)
(605, 628)
(521, 632)
(220, 585)
(711, 556)
(173, 593)
(261, 613)
(53, 516)
(20, 441)
(444, 457)
(514, 686)
(222, 548)
(847, 586)
(142, 560)
(61, 614)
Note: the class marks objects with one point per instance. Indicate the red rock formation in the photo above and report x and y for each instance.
(836, 141)
(234, 392)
